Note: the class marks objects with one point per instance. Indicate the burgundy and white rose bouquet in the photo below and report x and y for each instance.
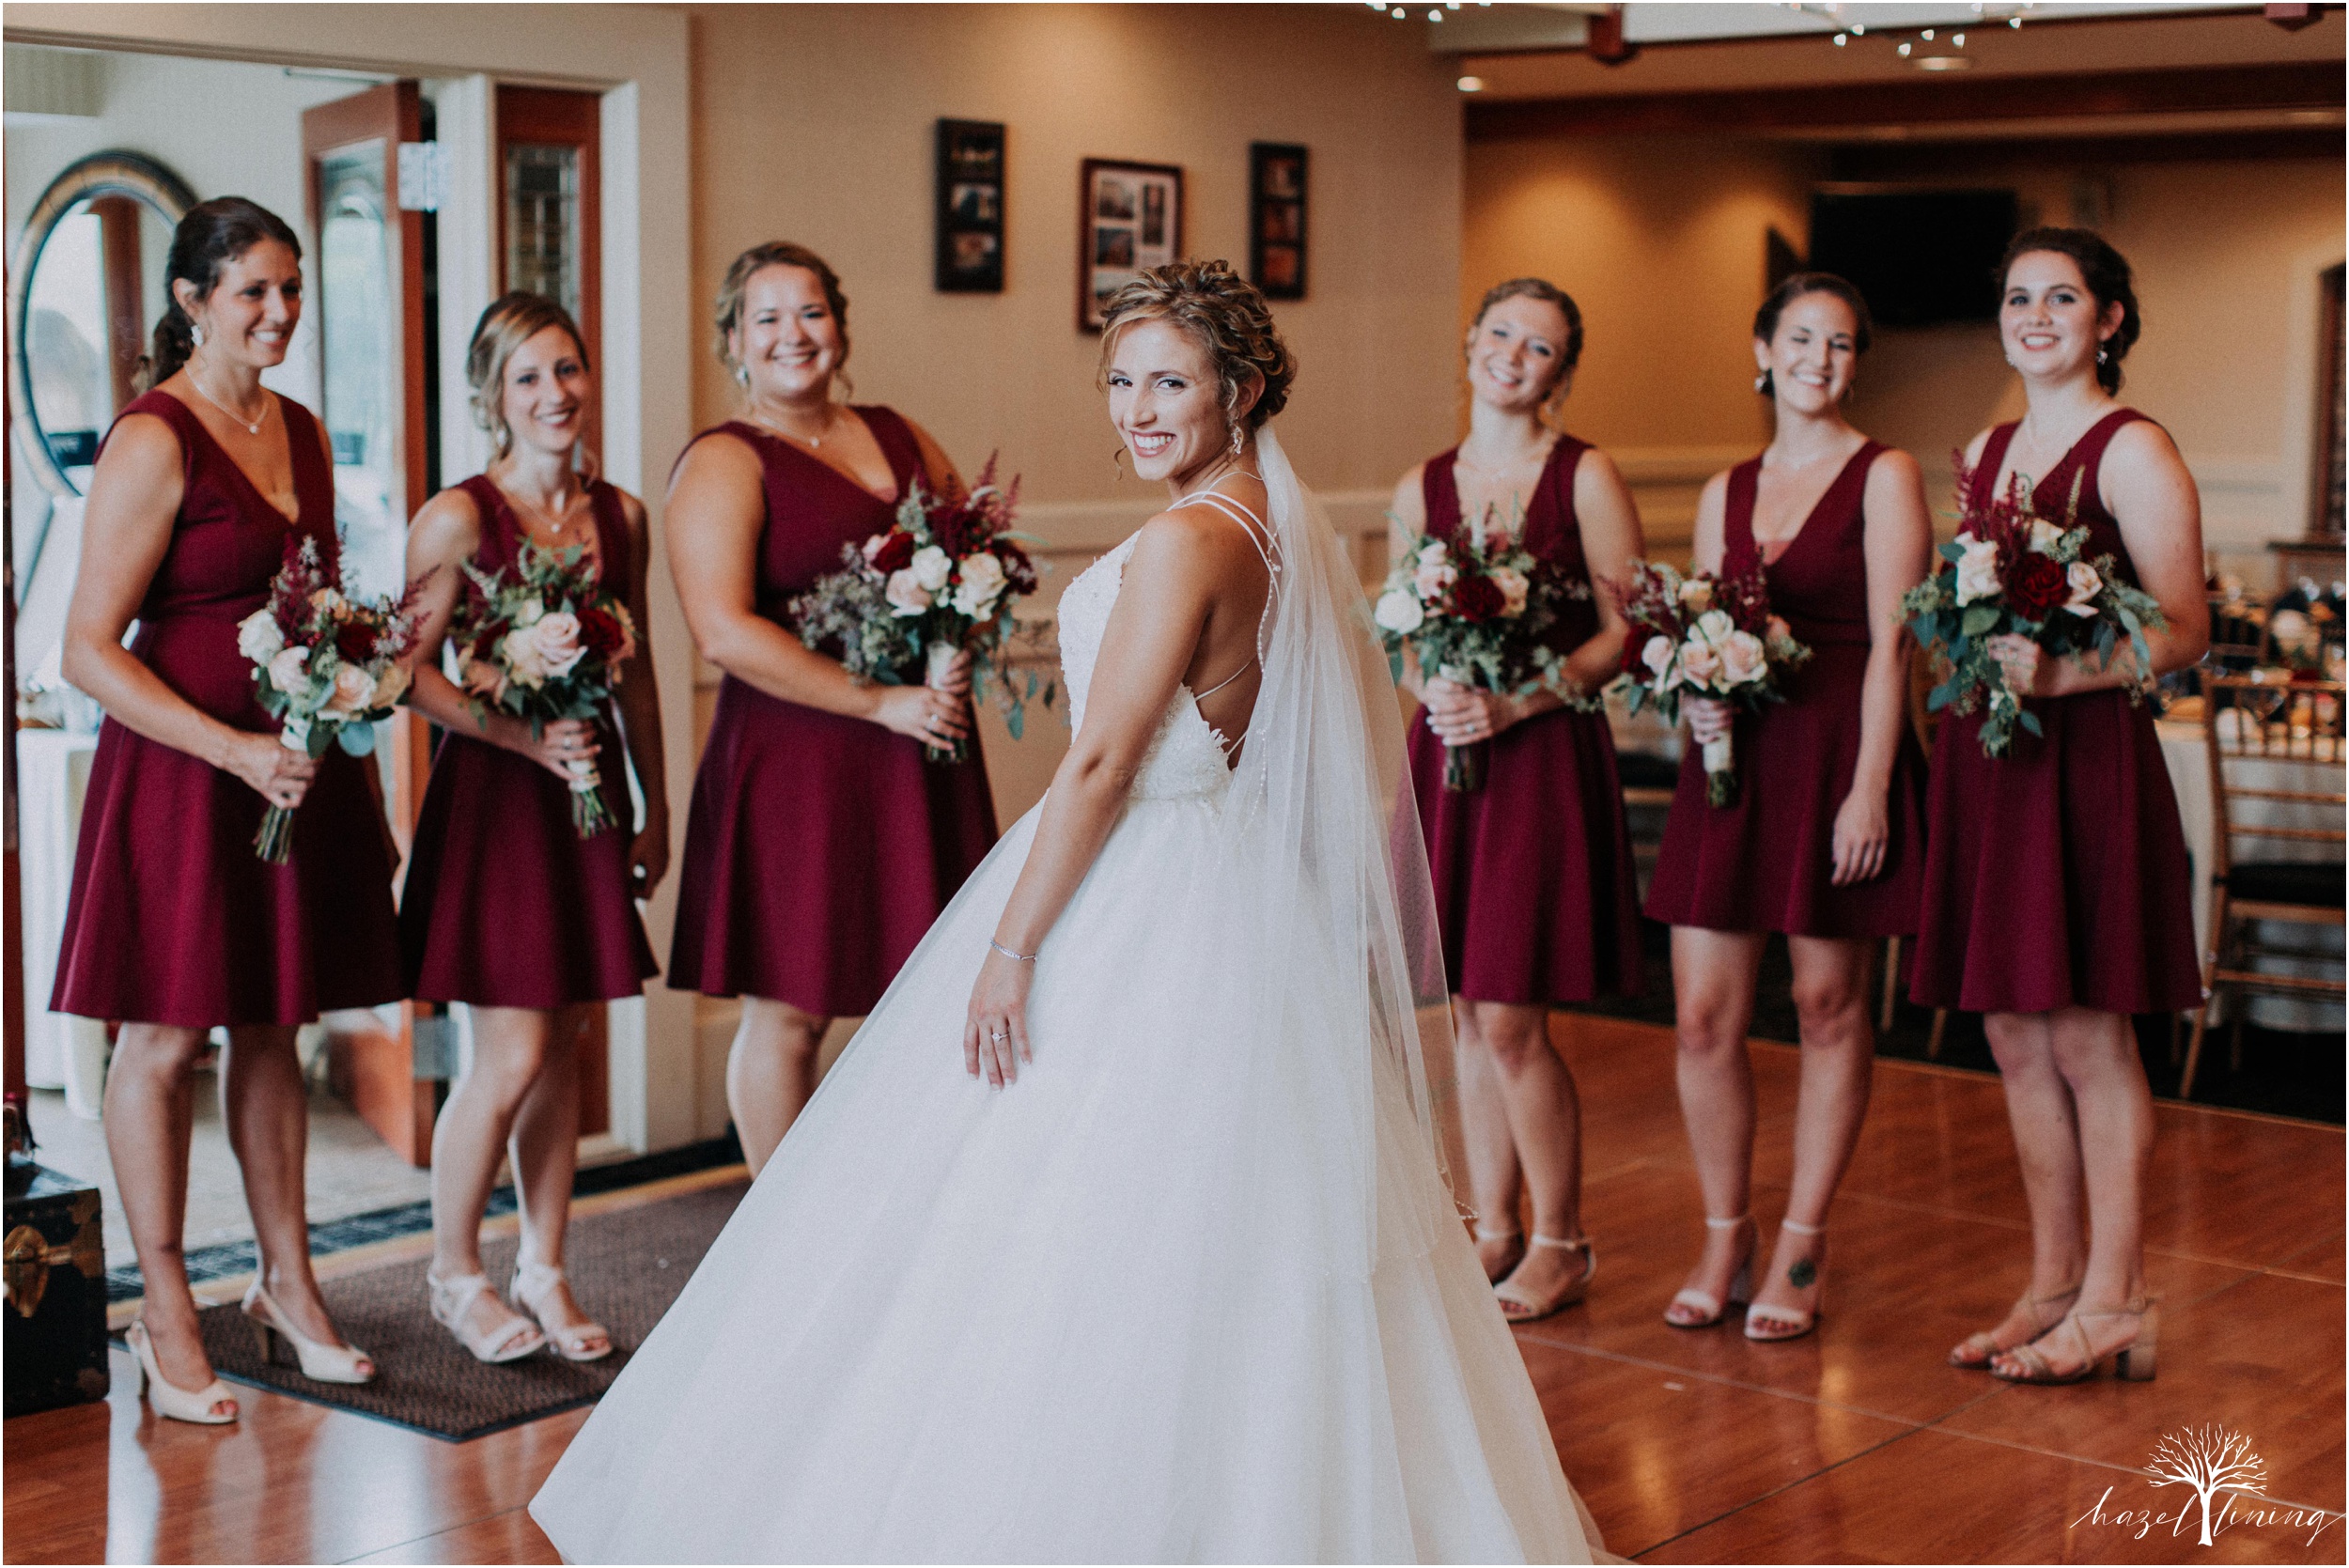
(2011, 571)
(1704, 635)
(543, 640)
(1473, 608)
(941, 582)
(326, 665)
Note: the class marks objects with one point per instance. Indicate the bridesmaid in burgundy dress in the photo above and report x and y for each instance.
(821, 844)
(1535, 885)
(507, 908)
(1825, 841)
(2057, 895)
(175, 926)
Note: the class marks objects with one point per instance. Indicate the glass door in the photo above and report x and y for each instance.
(370, 261)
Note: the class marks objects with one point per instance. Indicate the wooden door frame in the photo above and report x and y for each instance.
(562, 117)
(372, 1068)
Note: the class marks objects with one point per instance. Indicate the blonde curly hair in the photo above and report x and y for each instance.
(1226, 315)
(511, 320)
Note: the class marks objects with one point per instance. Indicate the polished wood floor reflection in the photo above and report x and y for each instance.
(1856, 1445)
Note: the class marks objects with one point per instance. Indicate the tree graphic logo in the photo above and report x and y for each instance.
(2208, 1460)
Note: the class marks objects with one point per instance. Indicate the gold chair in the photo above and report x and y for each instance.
(2277, 767)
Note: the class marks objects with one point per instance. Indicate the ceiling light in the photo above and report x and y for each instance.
(1859, 29)
(1958, 39)
(1927, 35)
(1839, 40)
(1905, 52)
(1435, 16)
(1943, 62)
(2015, 22)
(1471, 84)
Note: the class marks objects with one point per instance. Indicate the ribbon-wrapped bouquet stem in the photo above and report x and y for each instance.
(940, 582)
(326, 665)
(1705, 634)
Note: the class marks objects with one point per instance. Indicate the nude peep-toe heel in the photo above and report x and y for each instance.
(169, 1400)
(579, 1342)
(1799, 1321)
(1973, 1353)
(1740, 1285)
(452, 1308)
(1518, 1307)
(2133, 1359)
(320, 1362)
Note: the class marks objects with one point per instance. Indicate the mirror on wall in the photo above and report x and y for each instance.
(86, 291)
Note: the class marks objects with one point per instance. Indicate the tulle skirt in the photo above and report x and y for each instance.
(1168, 1296)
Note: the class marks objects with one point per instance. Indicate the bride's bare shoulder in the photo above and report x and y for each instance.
(1201, 536)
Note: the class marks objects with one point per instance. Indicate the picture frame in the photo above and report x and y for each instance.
(1130, 218)
(970, 207)
(1278, 175)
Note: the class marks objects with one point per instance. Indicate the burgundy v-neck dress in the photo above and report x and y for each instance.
(1536, 890)
(505, 904)
(1767, 861)
(2056, 875)
(173, 919)
(820, 847)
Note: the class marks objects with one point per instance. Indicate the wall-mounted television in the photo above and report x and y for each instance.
(1921, 257)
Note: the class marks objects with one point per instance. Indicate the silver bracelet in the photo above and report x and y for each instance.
(1016, 957)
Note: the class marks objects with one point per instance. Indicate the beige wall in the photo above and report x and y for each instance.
(816, 123)
(1661, 240)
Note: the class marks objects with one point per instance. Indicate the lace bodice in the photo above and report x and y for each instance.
(1186, 756)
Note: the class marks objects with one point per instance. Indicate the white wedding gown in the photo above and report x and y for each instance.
(1168, 1296)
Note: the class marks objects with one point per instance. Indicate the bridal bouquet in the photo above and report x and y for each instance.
(1473, 609)
(326, 665)
(2011, 571)
(543, 640)
(940, 582)
(1704, 635)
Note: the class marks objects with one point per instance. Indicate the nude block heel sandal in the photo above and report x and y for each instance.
(1740, 1284)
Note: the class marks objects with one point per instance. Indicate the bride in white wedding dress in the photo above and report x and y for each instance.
(1162, 1268)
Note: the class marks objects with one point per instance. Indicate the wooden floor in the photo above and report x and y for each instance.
(1857, 1445)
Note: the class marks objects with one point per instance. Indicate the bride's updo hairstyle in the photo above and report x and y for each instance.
(777, 253)
(1226, 315)
(2105, 271)
(1548, 292)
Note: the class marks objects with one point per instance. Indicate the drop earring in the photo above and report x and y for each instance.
(195, 334)
(742, 375)
(1763, 383)
(2103, 355)
(1236, 441)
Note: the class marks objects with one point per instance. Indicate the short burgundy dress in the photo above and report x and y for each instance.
(505, 904)
(1536, 891)
(820, 847)
(173, 919)
(1767, 861)
(2056, 875)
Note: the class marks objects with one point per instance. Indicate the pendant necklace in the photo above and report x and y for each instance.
(252, 427)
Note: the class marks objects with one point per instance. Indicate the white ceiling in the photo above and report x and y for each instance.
(1479, 28)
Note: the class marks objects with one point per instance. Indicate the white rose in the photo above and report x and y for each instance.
(289, 670)
(1399, 612)
(257, 637)
(1433, 553)
(932, 568)
(523, 667)
(1699, 663)
(1433, 577)
(905, 593)
(2045, 536)
(2085, 586)
(1714, 628)
(1696, 593)
(1658, 655)
(392, 685)
(528, 611)
(556, 638)
(1514, 588)
(1977, 570)
(981, 582)
(1743, 659)
(355, 691)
